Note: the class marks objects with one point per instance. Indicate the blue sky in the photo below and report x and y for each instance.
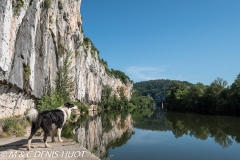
(192, 40)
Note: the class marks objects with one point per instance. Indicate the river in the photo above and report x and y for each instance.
(158, 135)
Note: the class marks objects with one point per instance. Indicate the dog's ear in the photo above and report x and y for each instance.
(68, 105)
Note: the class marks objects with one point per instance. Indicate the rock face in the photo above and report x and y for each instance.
(31, 36)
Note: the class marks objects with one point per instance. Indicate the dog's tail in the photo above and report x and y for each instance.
(32, 114)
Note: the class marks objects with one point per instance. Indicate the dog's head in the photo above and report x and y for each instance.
(70, 106)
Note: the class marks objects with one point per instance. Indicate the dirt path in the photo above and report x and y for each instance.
(15, 148)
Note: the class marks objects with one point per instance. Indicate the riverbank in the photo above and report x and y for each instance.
(15, 148)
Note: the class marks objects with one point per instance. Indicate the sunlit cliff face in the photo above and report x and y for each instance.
(31, 36)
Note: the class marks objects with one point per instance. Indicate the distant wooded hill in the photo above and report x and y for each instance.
(157, 89)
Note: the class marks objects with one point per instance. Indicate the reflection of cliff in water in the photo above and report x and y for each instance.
(223, 129)
(101, 132)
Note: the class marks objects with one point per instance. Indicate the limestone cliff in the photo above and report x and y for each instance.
(32, 33)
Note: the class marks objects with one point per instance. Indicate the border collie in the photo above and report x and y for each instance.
(47, 119)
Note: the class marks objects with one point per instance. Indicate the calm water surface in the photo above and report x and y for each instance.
(160, 135)
(157, 145)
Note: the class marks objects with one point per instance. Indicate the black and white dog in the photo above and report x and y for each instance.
(47, 119)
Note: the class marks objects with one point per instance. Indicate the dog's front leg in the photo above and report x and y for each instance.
(59, 130)
(29, 144)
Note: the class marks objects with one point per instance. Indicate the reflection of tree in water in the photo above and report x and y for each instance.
(179, 129)
(221, 128)
(155, 121)
(201, 133)
(224, 141)
(221, 136)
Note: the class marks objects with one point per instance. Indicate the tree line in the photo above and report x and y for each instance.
(216, 98)
(157, 89)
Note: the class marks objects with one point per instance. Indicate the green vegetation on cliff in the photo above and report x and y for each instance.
(17, 5)
(120, 75)
(64, 85)
(87, 43)
(47, 4)
(54, 98)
